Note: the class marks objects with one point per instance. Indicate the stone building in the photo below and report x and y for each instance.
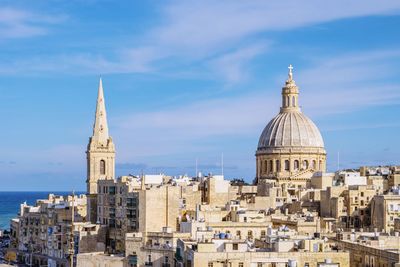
(370, 249)
(52, 231)
(127, 205)
(384, 210)
(283, 251)
(290, 148)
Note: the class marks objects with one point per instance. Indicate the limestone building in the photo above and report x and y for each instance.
(100, 155)
(290, 148)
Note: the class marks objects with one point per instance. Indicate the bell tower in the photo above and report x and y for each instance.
(100, 154)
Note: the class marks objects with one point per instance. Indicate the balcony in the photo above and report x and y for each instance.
(163, 247)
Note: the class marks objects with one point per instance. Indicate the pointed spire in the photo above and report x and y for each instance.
(100, 128)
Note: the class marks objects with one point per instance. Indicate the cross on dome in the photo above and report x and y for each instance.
(290, 72)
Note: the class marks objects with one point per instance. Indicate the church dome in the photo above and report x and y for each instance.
(290, 129)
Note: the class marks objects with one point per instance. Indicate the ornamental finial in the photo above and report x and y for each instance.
(290, 72)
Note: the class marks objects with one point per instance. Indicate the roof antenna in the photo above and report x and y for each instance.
(222, 163)
(197, 172)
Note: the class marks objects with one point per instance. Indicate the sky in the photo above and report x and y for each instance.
(187, 80)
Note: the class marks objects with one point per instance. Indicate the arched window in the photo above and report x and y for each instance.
(313, 164)
(293, 101)
(296, 164)
(305, 164)
(270, 166)
(102, 167)
(287, 165)
(265, 166)
(287, 101)
(278, 166)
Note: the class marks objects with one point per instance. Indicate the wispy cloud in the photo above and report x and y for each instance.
(222, 36)
(172, 130)
(17, 23)
(209, 24)
(233, 67)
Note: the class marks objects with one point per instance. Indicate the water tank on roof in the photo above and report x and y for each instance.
(292, 263)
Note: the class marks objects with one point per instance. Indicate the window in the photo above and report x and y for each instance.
(210, 264)
(265, 166)
(259, 264)
(241, 264)
(287, 165)
(293, 101)
(262, 233)
(362, 194)
(166, 259)
(305, 164)
(102, 167)
(238, 234)
(270, 166)
(235, 246)
(296, 164)
(313, 164)
(278, 166)
(250, 234)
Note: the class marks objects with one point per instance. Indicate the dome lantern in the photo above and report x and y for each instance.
(290, 93)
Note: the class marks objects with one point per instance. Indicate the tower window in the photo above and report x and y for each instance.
(287, 165)
(293, 101)
(102, 167)
(278, 166)
(265, 166)
(270, 166)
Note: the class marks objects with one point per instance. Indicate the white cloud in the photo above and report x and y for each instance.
(17, 23)
(169, 131)
(211, 33)
(233, 67)
(209, 24)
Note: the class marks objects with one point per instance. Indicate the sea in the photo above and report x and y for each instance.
(10, 203)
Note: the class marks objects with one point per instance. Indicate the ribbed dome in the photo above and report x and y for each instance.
(290, 129)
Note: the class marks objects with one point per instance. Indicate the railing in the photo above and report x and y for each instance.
(159, 247)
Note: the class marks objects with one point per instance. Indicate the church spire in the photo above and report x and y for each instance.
(290, 94)
(100, 128)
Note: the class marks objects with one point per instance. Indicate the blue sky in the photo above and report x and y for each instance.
(191, 79)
